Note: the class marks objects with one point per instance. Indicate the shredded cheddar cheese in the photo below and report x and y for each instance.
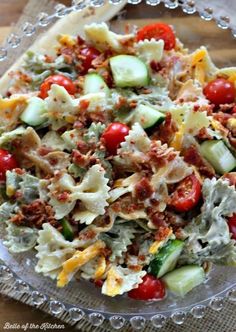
(77, 260)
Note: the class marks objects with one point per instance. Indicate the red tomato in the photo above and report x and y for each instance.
(113, 135)
(56, 79)
(151, 288)
(231, 177)
(232, 225)
(187, 194)
(7, 162)
(89, 54)
(220, 91)
(158, 31)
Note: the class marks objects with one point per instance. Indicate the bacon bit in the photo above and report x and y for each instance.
(231, 177)
(98, 283)
(82, 147)
(122, 101)
(162, 233)
(106, 252)
(87, 235)
(63, 197)
(135, 268)
(193, 157)
(222, 117)
(133, 249)
(98, 116)
(155, 66)
(161, 155)
(158, 219)
(44, 150)
(84, 104)
(165, 132)
(48, 58)
(78, 125)
(196, 108)
(35, 214)
(143, 189)
(19, 171)
(142, 257)
(133, 104)
(203, 134)
(146, 91)
(80, 41)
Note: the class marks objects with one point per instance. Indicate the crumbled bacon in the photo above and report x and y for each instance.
(83, 160)
(135, 268)
(160, 155)
(165, 132)
(162, 233)
(44, 150)
(203, 134)
(193, 157)
(143, 189)
(35, 214)
(222, 117)
(155, 66)
(158, 219)
(88, 234)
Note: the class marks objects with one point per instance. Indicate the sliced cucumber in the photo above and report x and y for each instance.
(183, 280)
(129, 71)
(67, 230)
(166, 259)
(95, 83)
(218, 155)
(33, 114)
(147, 116)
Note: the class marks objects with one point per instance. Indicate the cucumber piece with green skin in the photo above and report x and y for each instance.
(67, 230)
(218, 155)
(129, 71)
(94, 83)
(166, 259)
(147, 116)
(34, 111)
(184, 279)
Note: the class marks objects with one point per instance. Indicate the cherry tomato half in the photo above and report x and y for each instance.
(89, 54)
(113, 135)
(158, 31)
(151, 288)
(7, 162)
(56, 79)
(187, 194)
(232, 225)
(220, 91)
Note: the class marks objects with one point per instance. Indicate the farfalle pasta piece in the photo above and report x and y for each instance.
(79, 258)
(203, 67)
(175, 171)
(54, 250)
(150, 50)
(10, 111)
(94, 269)
(61, 105)
(121, 280)
(135, 146)
(99, 35)
(118, 239)
(19, 238)
(124, 186)
(92, 192)
(208, 236)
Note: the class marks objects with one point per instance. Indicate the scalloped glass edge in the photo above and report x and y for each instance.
(96, 318)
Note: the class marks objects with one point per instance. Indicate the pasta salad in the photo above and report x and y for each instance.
(116, 162)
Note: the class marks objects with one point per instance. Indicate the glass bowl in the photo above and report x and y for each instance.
(81, 298)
